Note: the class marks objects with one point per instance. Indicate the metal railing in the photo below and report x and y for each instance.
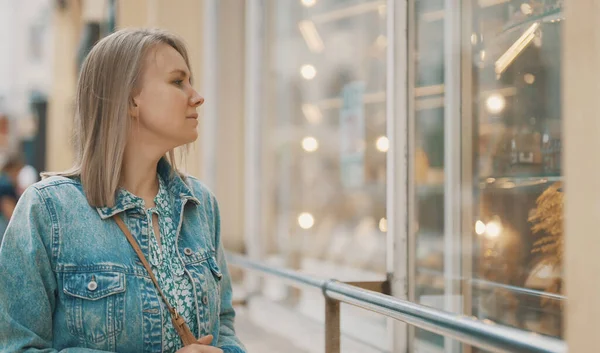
(482, 334)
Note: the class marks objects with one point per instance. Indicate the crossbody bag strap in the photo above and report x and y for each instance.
(181, 327)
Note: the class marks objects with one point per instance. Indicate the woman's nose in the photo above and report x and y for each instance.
(196, 100)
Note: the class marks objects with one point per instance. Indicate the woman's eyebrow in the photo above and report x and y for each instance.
(180, 71)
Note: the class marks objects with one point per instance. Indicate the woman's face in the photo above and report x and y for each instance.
(166, 104)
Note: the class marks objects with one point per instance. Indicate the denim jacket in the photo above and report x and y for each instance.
(70, 282)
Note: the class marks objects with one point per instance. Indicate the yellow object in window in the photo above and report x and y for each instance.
(421, 166)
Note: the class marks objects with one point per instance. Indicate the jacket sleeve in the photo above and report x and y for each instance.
(27, 282)
(228, 340)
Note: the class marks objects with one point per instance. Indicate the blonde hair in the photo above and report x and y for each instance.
(109, 78)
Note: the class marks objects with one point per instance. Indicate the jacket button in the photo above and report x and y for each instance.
(205, 300)
(92, 286)
(187, 251)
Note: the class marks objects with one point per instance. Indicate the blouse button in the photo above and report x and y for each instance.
(205, 300)
(92, 286)
(187, 251)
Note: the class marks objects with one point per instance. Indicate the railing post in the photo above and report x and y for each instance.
(332, 326)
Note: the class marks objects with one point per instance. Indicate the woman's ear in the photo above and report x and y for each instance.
(134, 111)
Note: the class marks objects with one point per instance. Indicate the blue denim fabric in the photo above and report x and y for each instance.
(56, 245)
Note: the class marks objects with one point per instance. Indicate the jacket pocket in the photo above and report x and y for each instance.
(95, 304)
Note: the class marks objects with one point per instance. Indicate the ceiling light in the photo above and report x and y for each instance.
(493, 229)
(310, 144)
(495, 103)
(308, 72)
(518, 46)
(529, 79)
(312, 113)
(311, 36)
(306, 220)
(479, 228)
(382, 144)
(383, 225)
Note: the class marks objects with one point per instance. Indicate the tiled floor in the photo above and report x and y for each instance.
(257, 340)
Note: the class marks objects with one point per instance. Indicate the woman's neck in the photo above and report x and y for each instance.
(139, 174)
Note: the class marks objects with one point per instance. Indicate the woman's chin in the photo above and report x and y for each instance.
(193, 136)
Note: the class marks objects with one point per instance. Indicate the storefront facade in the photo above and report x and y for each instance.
(419, 142)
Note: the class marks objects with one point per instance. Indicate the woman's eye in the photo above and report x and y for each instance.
(178, 82)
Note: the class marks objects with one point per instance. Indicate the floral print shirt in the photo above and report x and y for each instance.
(167, 267)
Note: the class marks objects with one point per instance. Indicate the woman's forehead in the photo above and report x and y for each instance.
(165, 59)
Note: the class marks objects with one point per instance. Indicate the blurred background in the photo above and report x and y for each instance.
(416, 142)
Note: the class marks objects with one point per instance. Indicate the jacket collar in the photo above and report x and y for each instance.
(175, 186)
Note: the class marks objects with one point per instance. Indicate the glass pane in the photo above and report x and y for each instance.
(428, 160)
(517, 235)
(325, 145)
(509, 265)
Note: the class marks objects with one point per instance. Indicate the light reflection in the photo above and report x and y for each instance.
(526, 9)
(381, 41)
(383, 225)
(529, 79)
(516, 48)
(310, 144)
(493, 229)
(507, 185)
(308, 72)
(312, 113)
(382, 144)
(306, 220)
(495, 103)
(479, 228)
(311, 36)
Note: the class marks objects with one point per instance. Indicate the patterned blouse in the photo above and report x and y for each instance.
(166, 266)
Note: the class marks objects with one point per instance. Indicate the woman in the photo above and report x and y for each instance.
(70, 279)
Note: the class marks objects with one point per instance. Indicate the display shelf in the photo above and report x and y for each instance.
(336, 102)
(509, 182)
(429, 97)
(551, 15)
(483, 284)
(493, 183)
(432, 90)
